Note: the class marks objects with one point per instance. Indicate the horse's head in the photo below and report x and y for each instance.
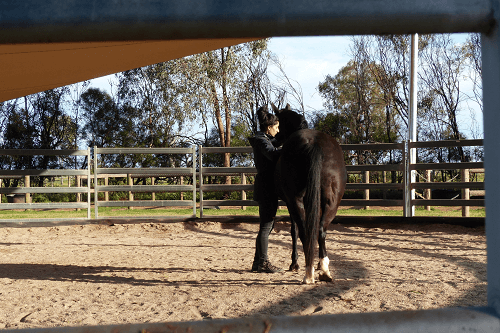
(290, 121)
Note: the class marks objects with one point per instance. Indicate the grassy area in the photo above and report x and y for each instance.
(111, 211)
(419, 211)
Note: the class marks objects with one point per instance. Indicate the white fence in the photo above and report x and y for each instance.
(198, 176)
(402, 168)
(27, 189)
(144, 172)
(244, 19)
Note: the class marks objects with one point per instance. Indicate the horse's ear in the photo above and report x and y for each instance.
(288, 107)
(275, 109)
(262, 109)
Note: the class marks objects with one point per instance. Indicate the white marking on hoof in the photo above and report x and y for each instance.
(323, 266)
(309, 278)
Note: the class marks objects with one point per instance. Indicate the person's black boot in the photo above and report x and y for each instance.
(267, 267)
(255, 266)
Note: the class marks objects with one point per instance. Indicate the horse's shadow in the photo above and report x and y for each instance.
(126, 275)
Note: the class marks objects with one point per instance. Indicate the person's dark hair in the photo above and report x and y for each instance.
(266, 119)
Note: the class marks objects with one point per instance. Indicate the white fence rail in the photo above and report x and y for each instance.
(144, 172)
(402, 168)
(198, 176)
(25, 192)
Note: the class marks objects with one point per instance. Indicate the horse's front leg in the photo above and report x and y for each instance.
(295, 257)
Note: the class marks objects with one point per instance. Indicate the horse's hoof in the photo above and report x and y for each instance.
(294, 267)
(308, 281)
(325, 277)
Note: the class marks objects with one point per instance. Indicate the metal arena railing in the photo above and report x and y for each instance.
(144, 172)
(34, 22)
(25, 191)
(197, 178)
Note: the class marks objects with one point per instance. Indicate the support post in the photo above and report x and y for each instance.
(27, 184)
(130, 181)
(384, 191)
(490, 48)
(106, 183)
(182, 183)
(465, 192)
(412, 123)
(428, 190)
(243, 192)
(200, 156)
(96, 193)
(78, 195)
(194, 178)
(153, 194)
(366, 195)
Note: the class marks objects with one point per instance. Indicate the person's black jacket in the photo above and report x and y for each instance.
(266, 153)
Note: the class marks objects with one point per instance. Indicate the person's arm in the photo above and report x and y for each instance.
(267, 148)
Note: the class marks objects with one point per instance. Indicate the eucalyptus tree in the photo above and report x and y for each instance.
(442, 69)
(472, 51)
(157, 91)
(39, 121)
(356, 107)
(105, 124)
(101, 118)
(18, 133)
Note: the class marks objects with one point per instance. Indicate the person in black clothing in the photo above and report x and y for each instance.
(266, 152)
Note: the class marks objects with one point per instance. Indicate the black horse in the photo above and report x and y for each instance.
(310, 178)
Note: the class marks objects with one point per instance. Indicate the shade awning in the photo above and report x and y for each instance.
(31, 68)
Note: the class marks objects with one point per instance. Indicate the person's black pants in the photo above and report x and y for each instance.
(267, 213)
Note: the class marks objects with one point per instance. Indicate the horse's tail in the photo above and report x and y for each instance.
(312, 201)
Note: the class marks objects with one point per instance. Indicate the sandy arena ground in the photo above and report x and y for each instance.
(95, 274)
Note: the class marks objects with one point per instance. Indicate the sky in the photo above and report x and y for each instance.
(308, 60)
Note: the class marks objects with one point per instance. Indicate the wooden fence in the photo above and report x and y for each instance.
(409, 193)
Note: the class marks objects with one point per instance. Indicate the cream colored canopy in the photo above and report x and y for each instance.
(30, 68)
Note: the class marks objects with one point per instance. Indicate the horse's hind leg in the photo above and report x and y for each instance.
(330, 210)
(294, 266)
(324, 274)
(309, 278)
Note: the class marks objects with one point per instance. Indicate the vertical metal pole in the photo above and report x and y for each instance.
(95, 184)
(194, 180)
(89, 208)
(490, 45)
(200, 152)
(412, 121)
(406, 180)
